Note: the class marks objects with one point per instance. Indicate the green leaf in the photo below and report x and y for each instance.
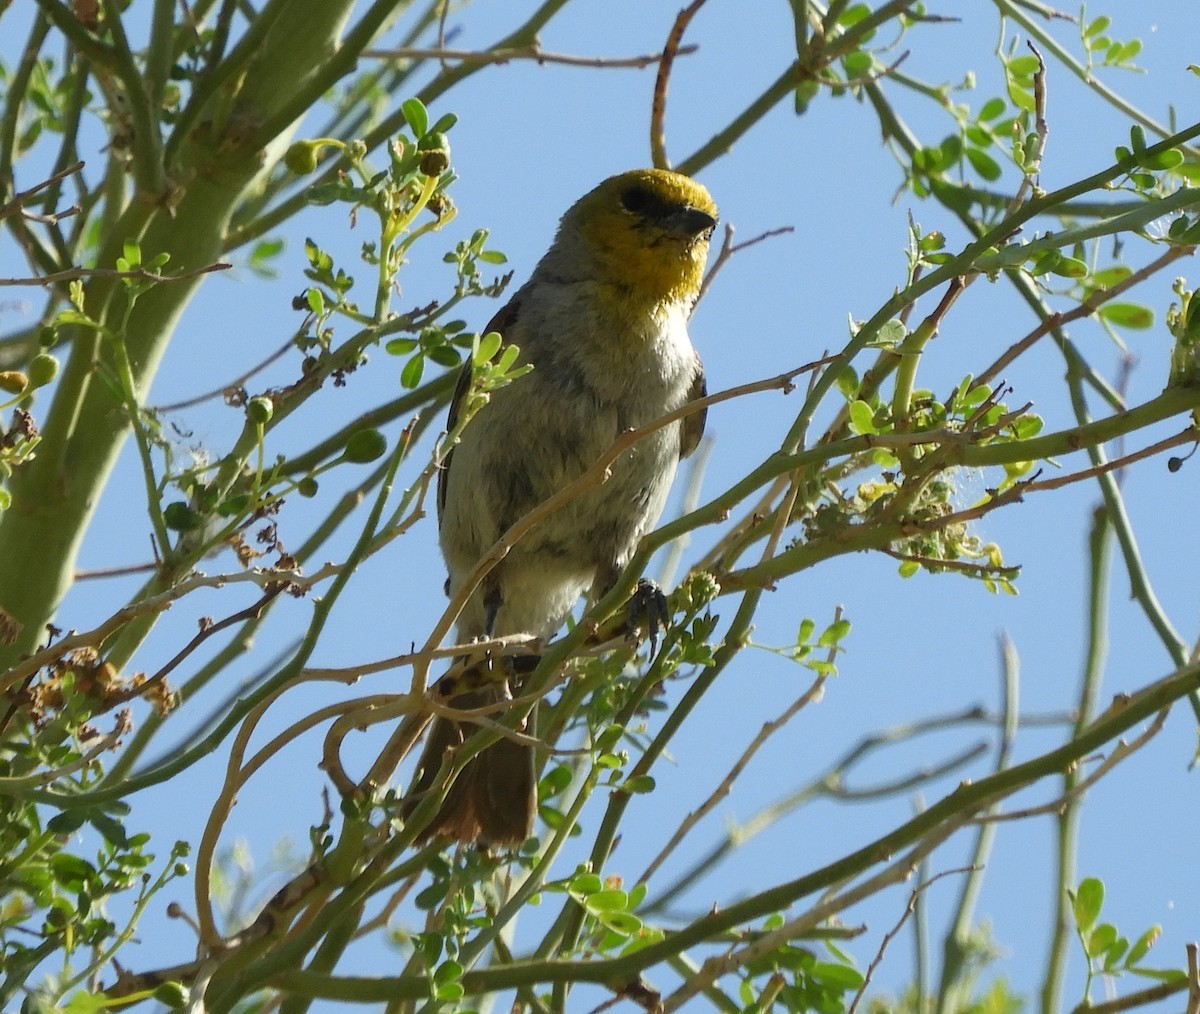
(1171, 975)
(447, 971)
(607, 901)
(1106, 278)
(639, 784)
(67, 822)
(413, 370)
(1168, 159)
(1101, 939)
(1023, 66)
(400, 346)
(1087, 902)
(585, 883)
(489, 345)
(1131, 315)
(908, 568)
(1070, 267)
(862, 417)
(112, 829)
(70, 871)
(841, 977)
(1142, 945)
(984, 164)
(625, 923)
(992, 108)
(415, 115)
(834, 633)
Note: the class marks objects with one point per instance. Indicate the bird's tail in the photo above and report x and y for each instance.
(493, 800)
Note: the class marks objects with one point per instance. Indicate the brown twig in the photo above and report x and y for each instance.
(1193, 979)
(18, 202)
(729, 248)
(1084, 309)
(70, 274)
(249, 613)
(768, 729)
(1141, 998)
(238, 381)
(1120, 752)
(1190, 435)
(892, 933)
(960, 566)
(658, 105)
(533, 52)
(102, 572)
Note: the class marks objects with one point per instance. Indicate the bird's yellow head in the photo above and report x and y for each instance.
(646, 231)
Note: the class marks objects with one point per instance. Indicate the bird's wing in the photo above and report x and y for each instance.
(502, 323)
(692, 426)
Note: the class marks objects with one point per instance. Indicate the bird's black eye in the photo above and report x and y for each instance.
(639, 200)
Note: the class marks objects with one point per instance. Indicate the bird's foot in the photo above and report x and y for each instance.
(649, 612)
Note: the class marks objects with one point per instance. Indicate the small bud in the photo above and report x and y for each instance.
(307, 487)
(259, 410)
(13, 381)
(365, 446)
(179, 517)
(173, 995)
(435, 154)
(42, 369)
(301, 157)
(1174, 464)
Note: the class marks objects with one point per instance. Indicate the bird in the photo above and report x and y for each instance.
(603, 322)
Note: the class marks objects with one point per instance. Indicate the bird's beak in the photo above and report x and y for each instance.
(689, 222)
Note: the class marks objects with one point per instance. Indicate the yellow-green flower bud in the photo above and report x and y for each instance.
(173, 995)
(13, 381)
(42, 369)
(259, 410)
(301, 157)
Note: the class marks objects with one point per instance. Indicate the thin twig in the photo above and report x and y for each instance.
(658, 105)
(94, 748)
(250, 612)
(533, 52)
(70, 274)
(1193, 972)
(1120, 752)
(16, 205)
(1086, 308)
(1142, 998)
(815, 689)
(891, 934)
(729, 248)
(237, 382)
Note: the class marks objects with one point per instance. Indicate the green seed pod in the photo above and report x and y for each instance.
(365, 446)
(301, 157)
(42, 369)
(179, 517)
(307, 487)
(259, 410)
(173, 995)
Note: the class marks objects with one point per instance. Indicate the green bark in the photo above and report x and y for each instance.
(55, 496)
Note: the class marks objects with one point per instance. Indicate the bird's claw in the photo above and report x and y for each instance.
(649, 611)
